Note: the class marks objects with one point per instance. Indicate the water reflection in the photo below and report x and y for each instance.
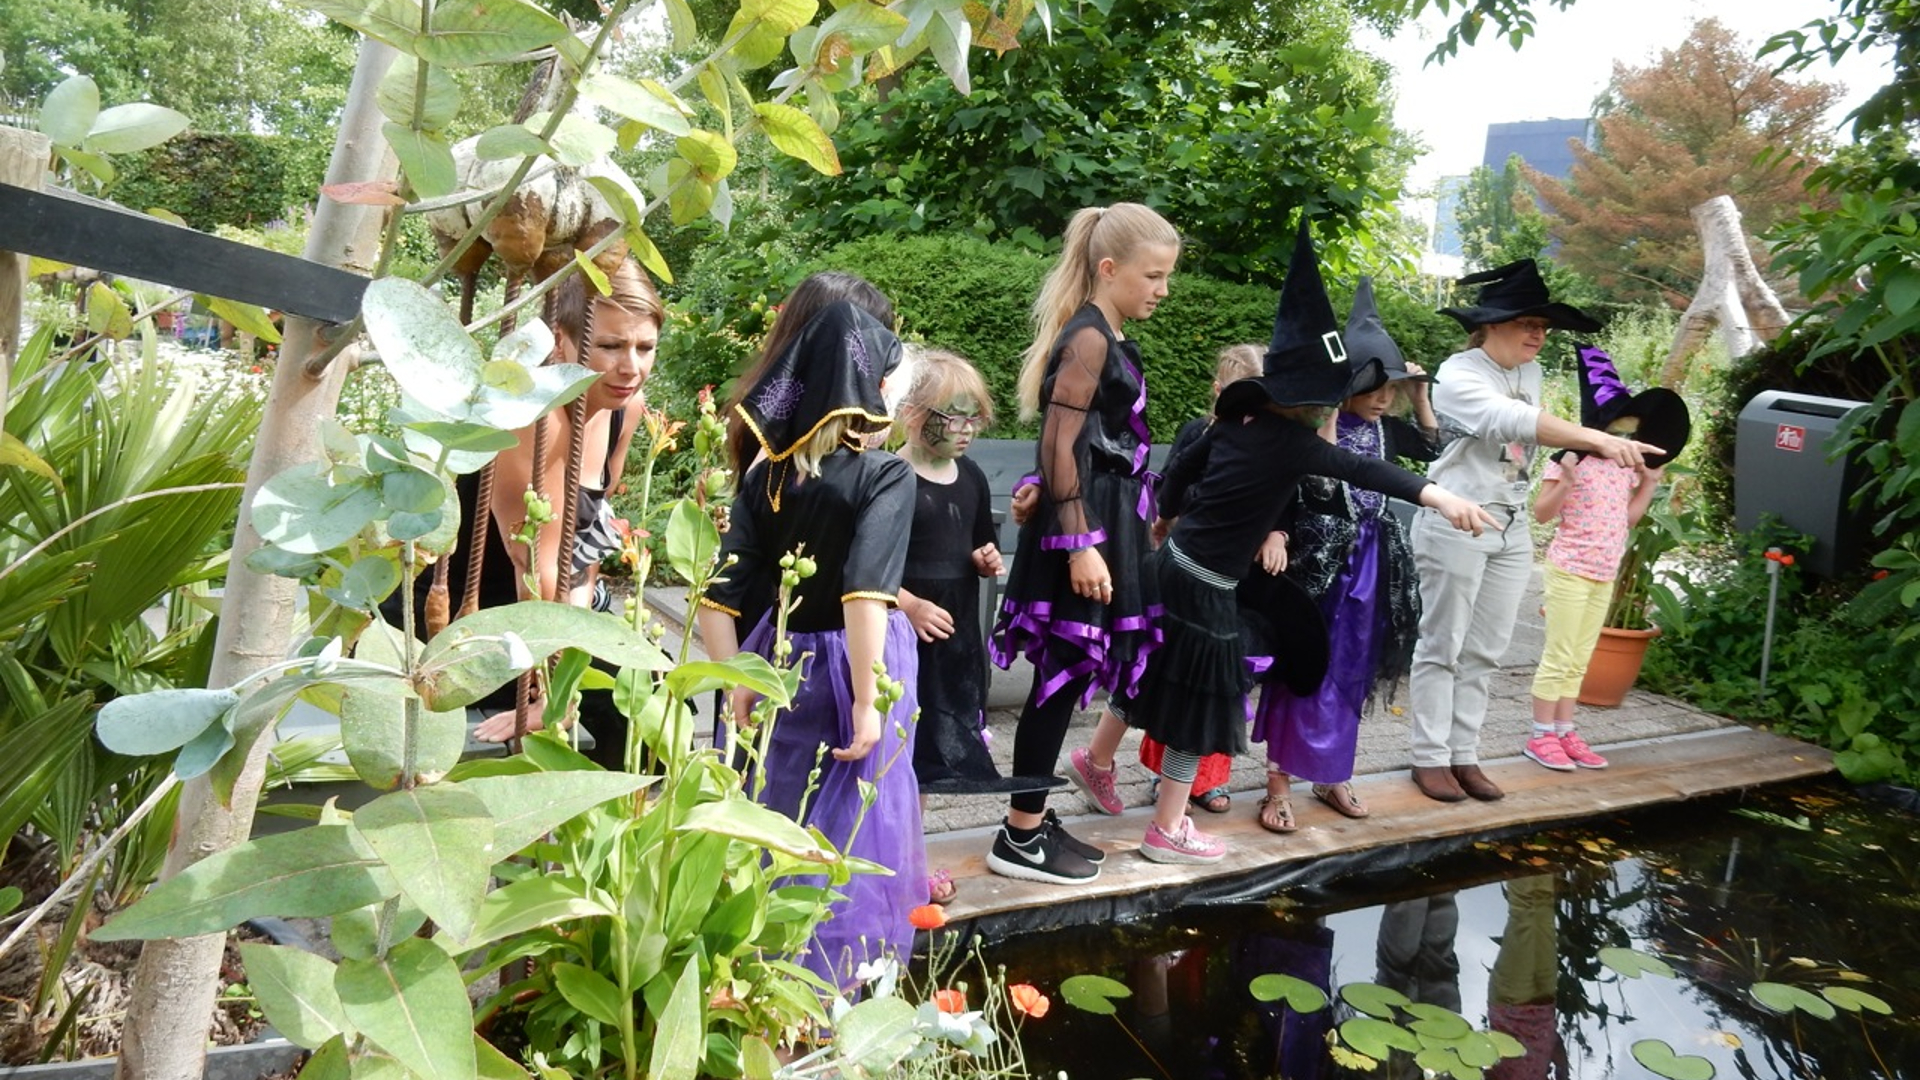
(1511, 936)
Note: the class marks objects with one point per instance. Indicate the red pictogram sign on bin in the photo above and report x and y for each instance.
(1789, 437)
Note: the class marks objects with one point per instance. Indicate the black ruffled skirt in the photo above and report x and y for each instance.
(1193, 695)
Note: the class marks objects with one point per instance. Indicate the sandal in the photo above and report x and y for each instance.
(1342, 798)
(1213, 800)
(941, 888)
(1276, 813)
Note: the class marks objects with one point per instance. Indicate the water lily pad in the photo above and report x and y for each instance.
(1855, 1000)
(1782, 998)
(1633, 963)
(1435, 1024)
(1375, 1038)
(1373, 999)
(1659, 1057)
(1297, 994)
(1093, 993)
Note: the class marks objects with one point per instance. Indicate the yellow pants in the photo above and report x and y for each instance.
(1576, 608)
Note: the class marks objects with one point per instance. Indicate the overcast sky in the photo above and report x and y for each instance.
(1560, 70)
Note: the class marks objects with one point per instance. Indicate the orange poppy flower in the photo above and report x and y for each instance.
(928, 917)
(1028, 1001)
(950, 1001)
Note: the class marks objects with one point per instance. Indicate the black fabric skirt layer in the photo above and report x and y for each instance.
(1193, 695)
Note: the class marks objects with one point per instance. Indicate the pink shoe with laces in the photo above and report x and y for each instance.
(1580, 753)
(1095, 782)
(1184, 845)
(1546, 750)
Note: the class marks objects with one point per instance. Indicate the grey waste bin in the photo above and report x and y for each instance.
(1783, 465)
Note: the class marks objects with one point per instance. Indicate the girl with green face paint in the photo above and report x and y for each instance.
(951, 548)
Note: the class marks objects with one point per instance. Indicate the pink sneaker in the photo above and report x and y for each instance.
(1576, 749)
(1185, 845)
(1096, 783)
(1546, 750)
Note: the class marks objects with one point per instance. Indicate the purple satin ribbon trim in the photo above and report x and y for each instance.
(1149, 482)
(1027, 629)
(1030, 478)
(1073, 540)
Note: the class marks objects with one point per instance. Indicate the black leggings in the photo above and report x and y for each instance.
(1041, 733)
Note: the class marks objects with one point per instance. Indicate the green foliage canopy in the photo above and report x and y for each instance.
(1227, 120)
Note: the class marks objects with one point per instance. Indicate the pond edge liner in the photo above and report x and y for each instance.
(1249, 887)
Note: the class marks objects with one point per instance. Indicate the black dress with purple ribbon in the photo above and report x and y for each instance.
(1091, 461)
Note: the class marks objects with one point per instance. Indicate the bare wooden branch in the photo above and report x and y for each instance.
(1732, 294)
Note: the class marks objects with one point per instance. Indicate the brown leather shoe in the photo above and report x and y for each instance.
(1475, 783)
(1437, 782)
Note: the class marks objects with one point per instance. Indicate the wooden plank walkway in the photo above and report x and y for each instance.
(1645, 773)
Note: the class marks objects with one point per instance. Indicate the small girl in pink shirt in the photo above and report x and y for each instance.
(1596, 501)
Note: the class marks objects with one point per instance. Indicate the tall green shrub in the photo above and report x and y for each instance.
(216, 179)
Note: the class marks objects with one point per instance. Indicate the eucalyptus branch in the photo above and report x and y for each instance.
(563, 104)
(85, 869)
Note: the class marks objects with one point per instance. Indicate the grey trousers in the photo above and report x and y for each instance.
(1470, 592)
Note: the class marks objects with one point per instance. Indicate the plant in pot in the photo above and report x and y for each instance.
(1637, 595)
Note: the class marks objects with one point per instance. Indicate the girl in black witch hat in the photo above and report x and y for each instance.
(1348, 550)
(834, 762)
(1487, 397)
(1597, 502)
(1228, 493)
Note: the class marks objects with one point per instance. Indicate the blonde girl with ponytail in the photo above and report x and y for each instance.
(1076, 604)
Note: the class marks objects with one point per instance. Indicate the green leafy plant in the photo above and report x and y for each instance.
(85, 136)
(1638, 592)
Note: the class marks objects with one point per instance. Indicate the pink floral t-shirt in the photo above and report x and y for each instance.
(1593, 520)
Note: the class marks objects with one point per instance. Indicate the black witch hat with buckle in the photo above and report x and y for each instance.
(1307, 361)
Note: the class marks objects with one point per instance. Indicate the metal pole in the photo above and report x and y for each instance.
(1773, 600)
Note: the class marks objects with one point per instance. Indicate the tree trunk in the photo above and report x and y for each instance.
(176, 980)
(23, 160)
(1732, 293)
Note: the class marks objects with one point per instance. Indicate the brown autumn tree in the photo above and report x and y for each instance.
(1705, 119)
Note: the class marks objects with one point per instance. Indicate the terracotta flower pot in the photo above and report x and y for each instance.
(1617, 657)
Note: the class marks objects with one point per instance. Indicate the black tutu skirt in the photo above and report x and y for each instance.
(1193, 695)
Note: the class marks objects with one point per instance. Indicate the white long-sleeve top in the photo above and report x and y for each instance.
(1489, 421)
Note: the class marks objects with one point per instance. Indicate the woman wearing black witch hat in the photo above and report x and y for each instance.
(1488, 400)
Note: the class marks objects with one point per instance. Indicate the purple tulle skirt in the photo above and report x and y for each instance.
(873, 919)
(1315, 737)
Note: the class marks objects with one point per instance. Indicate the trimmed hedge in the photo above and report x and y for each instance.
(975, 297)
(216, 179)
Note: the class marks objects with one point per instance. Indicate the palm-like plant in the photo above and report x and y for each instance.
(128, 484)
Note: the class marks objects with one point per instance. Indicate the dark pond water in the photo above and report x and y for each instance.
(1811, 888)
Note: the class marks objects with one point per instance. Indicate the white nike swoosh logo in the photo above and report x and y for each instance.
(1036, 858)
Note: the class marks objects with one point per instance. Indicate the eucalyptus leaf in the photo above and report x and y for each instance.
(439, 841)
(466, 660)
(412, 490)
(426, 157)
(507, 141)
(554, 385)
(371, 579)
(876, 1034)
(528, 806)
(203, 752)
(529, 346)
(468, 33)
(423, 345)
(302, 510)
(295, 988)
(412, 1005)
(329, 1062)
(322, 870)
(127, 129)
(160, 721)
(373, 733)
(69, 111)
(397, 97)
